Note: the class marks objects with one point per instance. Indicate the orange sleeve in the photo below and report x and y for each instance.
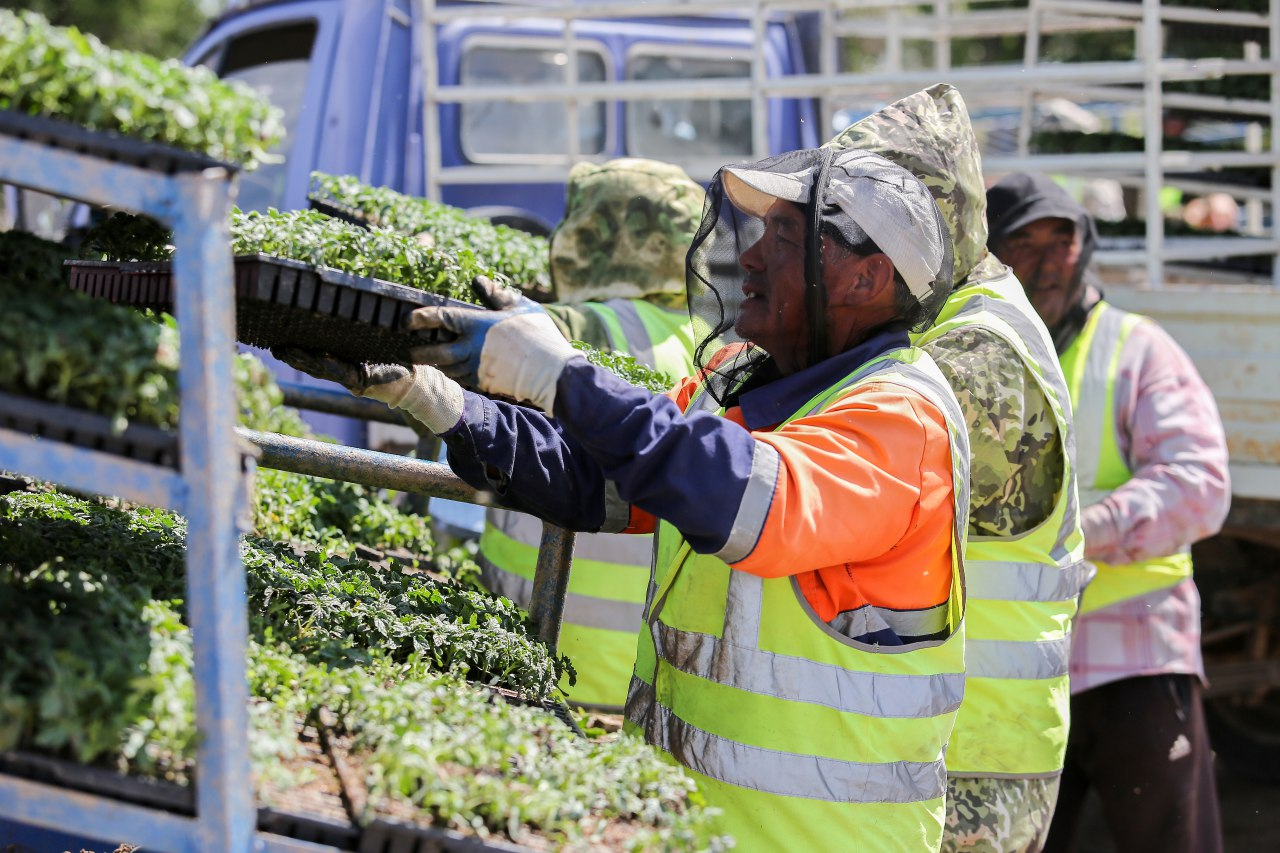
(855, 481)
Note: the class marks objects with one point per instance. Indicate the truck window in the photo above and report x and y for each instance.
(275, 62)
(681, 130)
(497, 131)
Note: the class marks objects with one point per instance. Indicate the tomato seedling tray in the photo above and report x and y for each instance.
(88, 429)
(285, 303)
(113, 147)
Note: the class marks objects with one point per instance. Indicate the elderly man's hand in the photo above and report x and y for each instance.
(513, 349)
(423, 392)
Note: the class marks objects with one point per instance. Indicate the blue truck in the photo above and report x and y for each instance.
(351, 77)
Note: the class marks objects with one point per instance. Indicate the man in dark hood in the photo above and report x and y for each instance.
(1152, 465)
(1048, 240)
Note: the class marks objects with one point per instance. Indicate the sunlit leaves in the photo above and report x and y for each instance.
(62, 73)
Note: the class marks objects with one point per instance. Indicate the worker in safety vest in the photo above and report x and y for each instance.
(1024, 565)
(803, 653)
(617, 270)
(1153, 479)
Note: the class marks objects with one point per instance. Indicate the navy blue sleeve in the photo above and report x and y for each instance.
(524, 458)
(689, 470)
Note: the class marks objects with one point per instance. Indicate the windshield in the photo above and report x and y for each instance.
(681, 130)
(275, 63)
(493, 130)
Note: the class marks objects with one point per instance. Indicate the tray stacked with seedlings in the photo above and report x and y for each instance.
(302, 279)
(373, 712)
(509, 254)
(78, 370)
(65, 89)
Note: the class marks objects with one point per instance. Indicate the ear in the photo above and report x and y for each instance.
(859, 279)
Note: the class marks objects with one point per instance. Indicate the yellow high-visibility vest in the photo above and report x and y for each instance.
(805, 738)
(1023, 590)
(1091, 365)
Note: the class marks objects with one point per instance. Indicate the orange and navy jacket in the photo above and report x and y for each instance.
(857, 497)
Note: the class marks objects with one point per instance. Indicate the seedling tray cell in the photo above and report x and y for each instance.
(112, 147)
(285, 303)
(88, 429)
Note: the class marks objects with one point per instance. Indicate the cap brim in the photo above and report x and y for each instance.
(754, 192)
(1033, 211)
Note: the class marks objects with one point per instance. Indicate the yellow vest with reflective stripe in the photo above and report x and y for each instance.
(806, 739)
(1022, 590)
(604, 608)
(1091, 365)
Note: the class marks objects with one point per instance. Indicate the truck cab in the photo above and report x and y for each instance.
(349, 75)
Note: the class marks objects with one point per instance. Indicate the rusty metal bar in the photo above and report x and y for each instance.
(416, 476)
(551, 583)
(356, 465)
(337, 403)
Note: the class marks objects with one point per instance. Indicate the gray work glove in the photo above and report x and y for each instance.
(423, 392)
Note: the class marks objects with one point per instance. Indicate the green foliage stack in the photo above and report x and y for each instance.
(61, 73)
(507, 254)
(96, 665)
(63, 347)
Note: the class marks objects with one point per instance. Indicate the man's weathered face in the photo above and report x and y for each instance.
(772, 314)
(1045, 255)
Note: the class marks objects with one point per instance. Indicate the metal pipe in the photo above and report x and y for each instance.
(551, 583)
(337, 403)
(366, 467)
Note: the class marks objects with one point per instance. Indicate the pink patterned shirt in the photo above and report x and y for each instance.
(1171, 437)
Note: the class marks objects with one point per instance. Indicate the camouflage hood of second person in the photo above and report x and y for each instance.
(626, 229)
(929, 134)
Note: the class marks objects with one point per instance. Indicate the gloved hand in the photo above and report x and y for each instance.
(422, 391)
(513, 350)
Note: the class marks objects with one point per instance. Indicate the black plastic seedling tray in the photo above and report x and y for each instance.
(88, 429)
(284, 303)
(334, 210)
(112, 147)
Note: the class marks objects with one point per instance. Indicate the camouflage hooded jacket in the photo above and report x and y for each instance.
(1016, 454)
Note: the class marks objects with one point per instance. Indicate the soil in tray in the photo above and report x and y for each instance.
(283, 303)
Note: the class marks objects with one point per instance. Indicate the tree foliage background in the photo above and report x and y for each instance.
(158, 27)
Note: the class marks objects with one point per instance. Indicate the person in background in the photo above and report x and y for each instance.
(802, 654)
(1153, 479)
(617, 272)
(1024, 565)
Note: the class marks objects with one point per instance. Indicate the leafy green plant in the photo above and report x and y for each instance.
(127, 237)
(25, 257)
(63, 347)
(506, 253)
(63, 73)
(626, 367)
(97, 665)
(313, 238)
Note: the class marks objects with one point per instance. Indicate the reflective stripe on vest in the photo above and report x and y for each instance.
(1023, 590)
(604, 607)
(740, 682)
(1092, 364)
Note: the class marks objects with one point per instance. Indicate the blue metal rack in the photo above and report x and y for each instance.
(209, 487)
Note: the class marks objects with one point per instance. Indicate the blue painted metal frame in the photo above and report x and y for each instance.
(208, 490)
